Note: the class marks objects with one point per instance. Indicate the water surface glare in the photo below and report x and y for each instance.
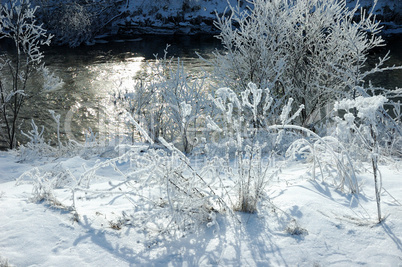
(93, 74)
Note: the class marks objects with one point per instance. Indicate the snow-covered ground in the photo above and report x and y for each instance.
(300, 222)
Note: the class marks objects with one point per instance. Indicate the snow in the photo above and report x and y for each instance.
(329, 227)
(366, 106)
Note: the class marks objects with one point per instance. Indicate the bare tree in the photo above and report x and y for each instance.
(18, 23)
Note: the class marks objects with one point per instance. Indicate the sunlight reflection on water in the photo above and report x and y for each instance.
(93, 74)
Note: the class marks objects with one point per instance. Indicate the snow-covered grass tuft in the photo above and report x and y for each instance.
(45, 182)
(37, 148)
(163, 188)
(328, 156)
(293, 228)
(242, 137)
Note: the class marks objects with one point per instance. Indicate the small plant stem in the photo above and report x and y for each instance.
(377, 190)
(374, 162)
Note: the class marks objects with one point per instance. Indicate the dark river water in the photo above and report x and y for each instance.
(93, 74)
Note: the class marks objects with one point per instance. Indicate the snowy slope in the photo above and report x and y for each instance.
(300, 222)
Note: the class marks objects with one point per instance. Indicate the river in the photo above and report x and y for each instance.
(93, 74)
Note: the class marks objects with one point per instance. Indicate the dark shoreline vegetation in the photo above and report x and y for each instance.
(389, 32)
(74, 22)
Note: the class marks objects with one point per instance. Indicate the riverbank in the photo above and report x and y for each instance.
(176, 18)
(197, 17)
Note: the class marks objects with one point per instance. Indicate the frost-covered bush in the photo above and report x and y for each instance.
(19, 70)
(389, 124)
(45, 182)
(312, 51)
(73, 24)
(168, 102)
(361, 119)
(69, 21)
(249, 149)
(237, 130)
(358, 119)
(168, 195)
(327, 155)
(38, 148)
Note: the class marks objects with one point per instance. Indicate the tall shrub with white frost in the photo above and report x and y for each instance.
(238, 129)
(312, 51)
(168, 102)
(18, 23)
(361, 118)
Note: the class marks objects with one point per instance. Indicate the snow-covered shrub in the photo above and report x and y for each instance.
(73, 24)
(167, 102)
(327, 154)
(312, 51)
(236, 129)
(361, 119)
(389, 124)
(239, 133)
(45, 182)
(37, 148)
(357, 118)
(168, 195)
(19, 70)
(190, 198)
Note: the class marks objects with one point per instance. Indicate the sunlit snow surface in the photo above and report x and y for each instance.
(330, 228)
